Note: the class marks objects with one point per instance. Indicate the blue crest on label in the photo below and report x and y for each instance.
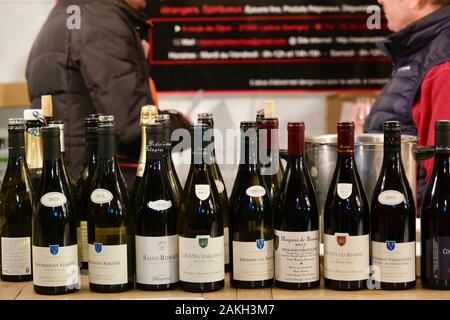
(260, 243)
(98, 247)
(390, 245)
(54, 249)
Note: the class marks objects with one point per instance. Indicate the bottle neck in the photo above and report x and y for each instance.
(107, 148)
(16, 142)
(201, 158)
(392, 159)
(296, 161)
(346, 161)
(249, 153)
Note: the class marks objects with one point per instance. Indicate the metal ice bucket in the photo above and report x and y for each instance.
(321, 154)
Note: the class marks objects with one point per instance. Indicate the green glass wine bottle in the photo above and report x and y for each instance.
(16, 196)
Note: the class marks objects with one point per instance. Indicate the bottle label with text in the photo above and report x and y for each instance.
(226, 241)
(160, 205)
(53, 199)
(202, 259)
(108, 264)
(101, 196)
(84, 242)
(253, 261)
(344, 190)
(391, 198)
(441, 258)
(16, 256)
(256, 191)
(157, 260)
(202, 191)
(346, 257)
(395, 262)
(296, 256)
(56, 266)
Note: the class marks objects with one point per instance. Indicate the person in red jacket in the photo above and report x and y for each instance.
(418, 92)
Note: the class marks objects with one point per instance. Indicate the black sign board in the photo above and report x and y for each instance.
(266, 45)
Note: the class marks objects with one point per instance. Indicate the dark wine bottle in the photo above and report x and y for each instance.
(16, 196)
(296, 220)
(269, 157)
(110, 228)
(201, 243)
(83, 186)
(33, 144)
(164, 119)
(220, 183)
(434, 214)
(54, 236)
(346, 220)
(251, 219)
(148, 114)
(156, 219)
(393, 219)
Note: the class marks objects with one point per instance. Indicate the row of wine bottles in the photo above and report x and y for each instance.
(165, 236)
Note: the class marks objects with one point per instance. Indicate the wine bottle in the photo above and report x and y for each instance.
(15, 209)
(156, 219)
(84, 182)
(434, 213)
(201, 243)
(33, 144)
(251, 219)
(393, 219)
(164, 119)
(148, 114)
(296, 220)
(220, 183)
(346, 220)
(269, 157)
(47, 109)
(54, 234)
(110, 235)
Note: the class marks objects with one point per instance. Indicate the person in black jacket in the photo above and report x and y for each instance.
(99, 68)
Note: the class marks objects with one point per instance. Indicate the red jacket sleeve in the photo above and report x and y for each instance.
(432, 104)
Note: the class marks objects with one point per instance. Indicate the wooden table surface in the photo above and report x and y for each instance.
(24, 291)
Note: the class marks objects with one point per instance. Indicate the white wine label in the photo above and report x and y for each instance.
(202, 191)
(220, 187)
(439, 248)
(394, 262)
(344, 190)
(296, 256)
(56, 266)
(108, 264)
(101, 196)
(391, 198)
(160, 205)
(157, 260)
(53, 199)
(253, 261)
(202, 259)
(226, 241)
(256, 191)
(16, 256)
(346, 257)
(84, 242)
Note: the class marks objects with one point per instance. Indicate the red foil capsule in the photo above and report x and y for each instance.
(270, 126)
(296, 138)
(346, 137)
